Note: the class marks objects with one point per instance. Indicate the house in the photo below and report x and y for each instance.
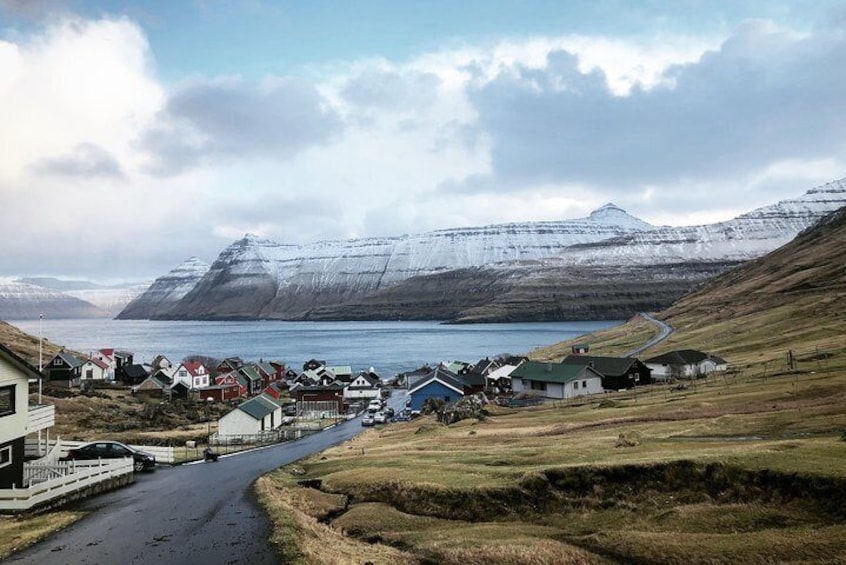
(122, 360)
(265, 371)
(134, 374)
(485, 366)
(219, 393)
(440, 384)
(363, 386)
(275, 389)
(342, 373)
(458, 367)
(412, 378)
(315, 402)
(618, 373)
(556, 380)
(106, 356)
(249, 378)
(17, 417)
(684, 363)
(228, 365)
(580, 348)
(161, 363)
(193, 374)
(230, 379)
(500, 380)
(94, 369)
(251, 417)
(313, 364)
(156, 385)
(64, 369)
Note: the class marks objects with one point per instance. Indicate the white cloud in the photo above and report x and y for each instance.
(109, 170)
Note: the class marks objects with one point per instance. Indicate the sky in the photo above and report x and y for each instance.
(134, 135)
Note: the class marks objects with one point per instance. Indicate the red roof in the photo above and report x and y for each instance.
(99, 363)
(193, 367)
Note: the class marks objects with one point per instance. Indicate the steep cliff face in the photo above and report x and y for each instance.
(745, 237)
(258, 278)
(165, 291)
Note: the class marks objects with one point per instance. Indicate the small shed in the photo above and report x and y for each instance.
(251, 417)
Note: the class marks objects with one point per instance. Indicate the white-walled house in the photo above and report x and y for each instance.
(192, 375)
(251, 417)
(363, 386)
(94, 370)
(554, 380)
(684, 363)
(17, 417)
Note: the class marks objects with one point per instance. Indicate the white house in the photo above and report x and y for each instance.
(684, 363)
(94, 370)
(192, 374)
(17, 417)
(554, 380)
(363, 386)
(252, 417)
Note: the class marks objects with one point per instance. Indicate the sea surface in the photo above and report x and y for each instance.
(389, 347)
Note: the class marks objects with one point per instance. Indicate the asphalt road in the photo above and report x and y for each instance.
(664, 334)
(203, 513)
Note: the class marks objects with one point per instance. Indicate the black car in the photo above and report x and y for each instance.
(143, 461)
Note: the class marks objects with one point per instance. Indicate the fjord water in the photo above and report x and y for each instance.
(389, 347)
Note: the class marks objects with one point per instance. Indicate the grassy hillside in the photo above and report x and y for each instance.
(746, 466)
(25, 345)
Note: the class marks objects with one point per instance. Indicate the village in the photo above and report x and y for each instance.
(266, 395)
(269, 401)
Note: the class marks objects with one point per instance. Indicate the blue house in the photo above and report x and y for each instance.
(440, 383)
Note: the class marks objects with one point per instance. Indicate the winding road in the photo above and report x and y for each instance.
(662, 335)
(198, 513)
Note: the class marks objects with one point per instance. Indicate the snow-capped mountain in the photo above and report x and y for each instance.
(259, 278)
(745, 237)
(109, 298)
(165, 291)
(256, 278)
(22, 301)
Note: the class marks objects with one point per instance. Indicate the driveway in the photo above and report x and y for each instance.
(203, 513)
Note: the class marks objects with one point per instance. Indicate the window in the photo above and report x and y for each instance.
(575, 384)
(5, 456)
(584, 384)
(7, 400)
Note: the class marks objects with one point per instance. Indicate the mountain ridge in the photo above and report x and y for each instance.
(256, 278)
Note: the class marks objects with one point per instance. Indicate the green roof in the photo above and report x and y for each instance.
(258, 407)
(250, 373)
(552, 372)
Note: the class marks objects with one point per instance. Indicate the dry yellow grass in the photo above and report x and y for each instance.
(17, 532)
(303, 539)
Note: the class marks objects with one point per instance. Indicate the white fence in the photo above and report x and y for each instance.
(163, 454)
(40, 417)
(52, 482)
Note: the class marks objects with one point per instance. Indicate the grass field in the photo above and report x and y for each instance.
(742, 467)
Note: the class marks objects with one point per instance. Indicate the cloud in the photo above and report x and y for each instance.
(233, 119)
(375, 88)
(764, 96)
(87, 160)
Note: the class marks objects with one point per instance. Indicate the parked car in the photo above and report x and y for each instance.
(389, 412)
(380, 418)
(403, 416)
(368, 420)
(142, 461)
